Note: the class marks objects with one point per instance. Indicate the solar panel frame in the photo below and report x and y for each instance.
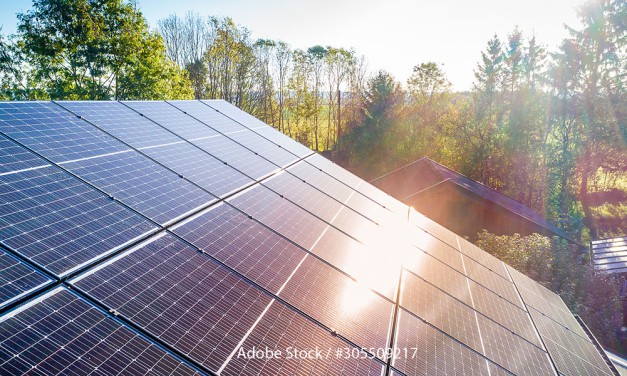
(143, 185)
(41, 224)
(325, 294)
(53, 132)
(297, 333)
(18, 279)
(189, 315)
(244, 245)
(259, 127)
(73, 336)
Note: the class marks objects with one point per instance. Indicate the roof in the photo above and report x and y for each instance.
(423, 175)
(609, 255)
(188, 237)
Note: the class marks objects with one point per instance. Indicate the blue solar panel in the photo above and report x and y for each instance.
(421, 349)
(298, 335)
(332, 211)
(122, 123)
(60, 223)
(259, 127)
(243, 244)
(281, 215)
(237, 132)
(142, 184)
(349, 308)
(199, 167)
(15, 158)
(53, 132)
(17, 279)
(478, 332)
(60, 333)
(572, 354)
(179, 296)
(237, 156)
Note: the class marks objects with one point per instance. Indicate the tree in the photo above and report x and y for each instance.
(426, 81)
(85, 49)
(186, 41)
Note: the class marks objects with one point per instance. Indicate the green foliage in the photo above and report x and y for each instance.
(87, 49)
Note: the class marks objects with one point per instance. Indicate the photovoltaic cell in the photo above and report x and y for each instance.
(122, 123)
(339, 303)
(422, 350)
(474, 330)
(237, 132)
(237, 156)
(572, 354)
(437, 249)
(172, 119)
(281, 215)
(259, 127)
(54, 132)
(320, 180)
(209, 116)
(283, 330)
(17, 279)
(365, 264)
(492, 281)
(60, 223)
(492, 263)
(179, 296)
(263, 147)
(199, 167)
(63, 334)
(243, 244)
(545, 301)
(323, 206)
(511, 351)
(440, 310)
(476, 296)
(142, 184)
(15, 158)
(434, 229)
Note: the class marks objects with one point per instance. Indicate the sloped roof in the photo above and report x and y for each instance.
(188, 237)
(609, 255)
(424, 174)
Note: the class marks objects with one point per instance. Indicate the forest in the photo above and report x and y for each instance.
(545, 127)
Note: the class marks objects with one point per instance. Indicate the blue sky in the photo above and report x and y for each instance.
(394, 35)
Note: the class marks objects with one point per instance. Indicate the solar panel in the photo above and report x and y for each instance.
(258, 126)
(60, 223)
(302, 348)
(53, 132)
(421, 349)
(333, 212)
(243, 244)
(142, 184)
(237, 156)
(18, 279)
(181, 236)
(179, 296)
(122, 123)
(571, 353)
(339, 303)
(548, 303)
(15, 158)
(237, 132)
(172, 119)
(281, 215)
(60, 333)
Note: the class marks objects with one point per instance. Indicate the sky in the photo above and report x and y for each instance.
(393, 35)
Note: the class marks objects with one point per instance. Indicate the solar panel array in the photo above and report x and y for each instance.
(188, 237)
